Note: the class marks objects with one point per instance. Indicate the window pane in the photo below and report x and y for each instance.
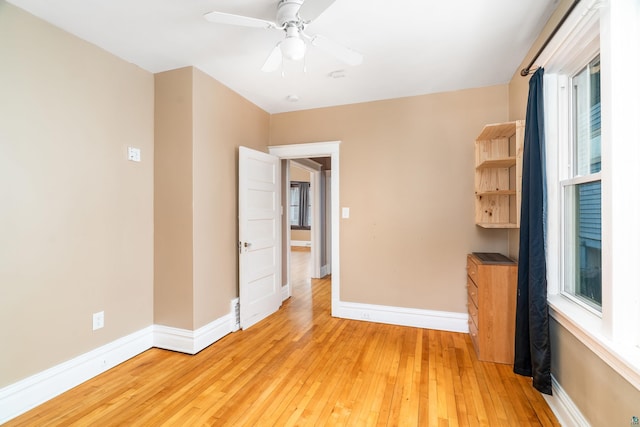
(586, 119)
(583, 243)
(294, 195)
(294, 207)
(294, 215)
(299, 208)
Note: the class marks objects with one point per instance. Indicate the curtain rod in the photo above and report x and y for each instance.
(525, 71)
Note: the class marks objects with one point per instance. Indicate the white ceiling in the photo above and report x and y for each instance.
(410, 47)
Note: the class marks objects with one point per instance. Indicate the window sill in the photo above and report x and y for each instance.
(589, 330)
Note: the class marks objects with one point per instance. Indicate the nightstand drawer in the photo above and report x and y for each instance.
(473, 313)
(472, 291)
(473, 332)
(472, 269)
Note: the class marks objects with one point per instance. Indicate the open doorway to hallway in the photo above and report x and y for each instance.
(331, 150)
(308, 198)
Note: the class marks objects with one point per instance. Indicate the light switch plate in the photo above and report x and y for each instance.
(345, 213)
(133, 154)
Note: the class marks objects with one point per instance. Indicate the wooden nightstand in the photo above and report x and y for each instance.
(491, 292)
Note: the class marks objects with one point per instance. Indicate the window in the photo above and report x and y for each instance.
(582, 191)
(300, 205)
(592, 175)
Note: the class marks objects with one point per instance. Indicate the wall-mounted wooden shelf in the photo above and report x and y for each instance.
(497, 163)
(497, 193)
(498, 180)
(496, 225)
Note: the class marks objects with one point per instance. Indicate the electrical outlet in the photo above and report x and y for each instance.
(98, 320)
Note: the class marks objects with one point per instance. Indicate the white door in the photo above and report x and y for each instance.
(259, 235)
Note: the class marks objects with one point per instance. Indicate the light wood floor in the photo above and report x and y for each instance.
(303, 367)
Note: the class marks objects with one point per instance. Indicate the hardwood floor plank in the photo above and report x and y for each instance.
(433, 412)
(473, 394)
(448, 379)
(409, 411)
(391, 363)
(302, 367)
(455, 379)
(423, 407)
(366, 376)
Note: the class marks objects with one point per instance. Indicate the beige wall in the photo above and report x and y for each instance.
(299, 174)
(602, 395)
(223, 121)
(81, 217)
(173, 199)
(406, 172)
(76, 218)
(199, 126)
(301, 235)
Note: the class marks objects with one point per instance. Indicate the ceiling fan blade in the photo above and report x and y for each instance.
(343, 53)
(244, 21)
(311, 9)
(273, 61)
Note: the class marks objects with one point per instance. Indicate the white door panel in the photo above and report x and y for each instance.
(259, 234)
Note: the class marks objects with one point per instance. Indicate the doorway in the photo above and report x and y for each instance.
(312, 150)
(309, 220)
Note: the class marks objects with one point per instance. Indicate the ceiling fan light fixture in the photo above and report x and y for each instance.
(293, 47)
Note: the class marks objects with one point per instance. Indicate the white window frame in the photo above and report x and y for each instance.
(612, 29)
(566, 145)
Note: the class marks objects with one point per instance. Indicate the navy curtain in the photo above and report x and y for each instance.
(532, 349)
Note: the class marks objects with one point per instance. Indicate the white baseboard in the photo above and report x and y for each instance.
(286, 292)
(26, 394)
(430, 319)
(191, 342)
(565, 410)
(304, 243)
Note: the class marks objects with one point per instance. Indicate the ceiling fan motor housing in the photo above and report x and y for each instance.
(288, 13)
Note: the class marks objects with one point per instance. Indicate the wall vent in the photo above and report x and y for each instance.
(235, 311)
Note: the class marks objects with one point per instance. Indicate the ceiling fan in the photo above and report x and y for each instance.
(292, 17)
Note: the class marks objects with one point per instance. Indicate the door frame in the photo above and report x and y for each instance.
(323, 149)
